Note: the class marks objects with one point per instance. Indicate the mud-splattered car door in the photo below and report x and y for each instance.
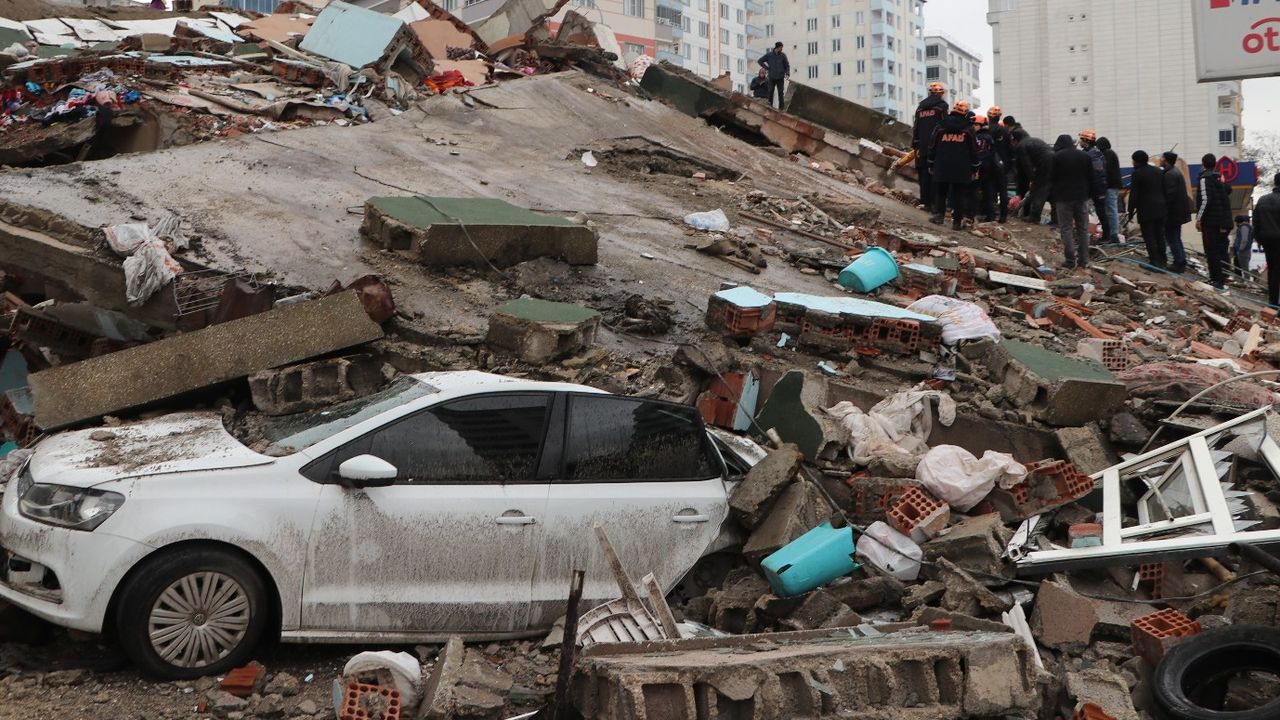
(451, 545)
(644, 470)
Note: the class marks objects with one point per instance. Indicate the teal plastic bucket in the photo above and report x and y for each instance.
(811, 560)
(875, 268)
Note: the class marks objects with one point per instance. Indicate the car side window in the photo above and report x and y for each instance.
(616, 438)
(486, 439)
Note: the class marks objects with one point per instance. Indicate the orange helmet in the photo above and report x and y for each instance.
(980, 120)
(1088, 136)
(937, 88)
(994, 111)
(961, 107)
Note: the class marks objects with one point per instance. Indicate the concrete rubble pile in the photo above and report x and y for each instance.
(961, 486)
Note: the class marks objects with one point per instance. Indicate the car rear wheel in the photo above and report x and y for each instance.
(192, 612)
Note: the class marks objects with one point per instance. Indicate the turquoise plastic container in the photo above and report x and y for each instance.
(811, 560)
(875, 268)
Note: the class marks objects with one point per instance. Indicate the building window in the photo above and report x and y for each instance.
(811, 24)
(768, 30)
(1086, 110)
(742, 65)
(633, 48)
(741, 17)
(931, 51)
(1226, 103)
(688, 51)
(702, 5)
(703, 29)
(724, 63)
(835, 21)
(835, 69)
(813, 47)
(862, 66)
(724, 11)
(704, 56)
(724, 35)
(835, 45)
(634, 8)
(1227, 137)
(741, 42)
(932, 73)
(862, 42)
(813, 72)
(862, 90)
(860, 18)
(686, 23)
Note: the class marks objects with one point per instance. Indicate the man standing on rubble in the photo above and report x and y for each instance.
(954, 162)
(1004, 150)
(1213, 219)
(1035, 171)
(1147, 200)
(991, 184)
(1098, 180)
(1266, 225)
(1072, 183)
(1115, 183)
(778, 69)
(928, 117)
(1177, 208)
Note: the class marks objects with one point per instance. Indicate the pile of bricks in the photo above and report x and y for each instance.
(718, 404)
(1152, 635)
(919, 515)
(871, 497)
(959, 270)
(59, 70)
(737, 321)
(1049, 484)
(299, 73)
(922, 279)
(839, 333)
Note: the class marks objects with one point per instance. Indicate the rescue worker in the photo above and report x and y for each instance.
(1178, 210)
(953, 162)
(1098, 180)
(1213, 219)
(1034, 160)
(991, 184)
(1266, 223)
(1147, 201)
(1072, 182)
(779, 69)
(1115, 183)
(760, 86)
(928, 117)
(1004, 149)
(1242, 248)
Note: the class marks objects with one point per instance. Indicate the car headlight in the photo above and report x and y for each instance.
(68, 507)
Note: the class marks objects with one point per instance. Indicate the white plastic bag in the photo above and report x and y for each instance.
(147, 270)
(953, 475)
(890, 550)
(126, 239)
(899, 423)
(960, 320)
(404, 669)
(714, 220)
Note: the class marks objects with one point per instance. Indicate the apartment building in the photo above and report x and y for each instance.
(949, 62)
(1127, 70)
(868, 51)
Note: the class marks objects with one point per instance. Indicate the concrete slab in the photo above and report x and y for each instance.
(1057, 389)
(845, 117)
(148, 373)
(539, 330)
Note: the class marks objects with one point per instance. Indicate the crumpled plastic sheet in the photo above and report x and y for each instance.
(899, 424)
(960, 320)
(953, 475)
(148, 269)
(127, 238)
(169, 228)
(714, 220)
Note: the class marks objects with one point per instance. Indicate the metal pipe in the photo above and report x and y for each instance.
(1258, 555)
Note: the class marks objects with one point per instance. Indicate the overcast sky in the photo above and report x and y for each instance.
(966, 21)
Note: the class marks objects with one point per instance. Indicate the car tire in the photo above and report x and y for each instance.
(1197, 668)
(192, 612)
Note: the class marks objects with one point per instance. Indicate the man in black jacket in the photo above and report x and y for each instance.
(1098, 179)
(1213, 219)
(928, 117)
(1034, 160)
(1146, 199)
(1177, 210)
(991, 183)
(760, 86)
(1004, 150)
(1072, 183)
(1115, 183)
(1266, 225)
(779, 69)
(953, 158)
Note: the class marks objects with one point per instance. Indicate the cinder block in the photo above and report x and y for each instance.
(1056, 389)
(296, 388)
(539, 331)
(740, 312)
(1155, 633)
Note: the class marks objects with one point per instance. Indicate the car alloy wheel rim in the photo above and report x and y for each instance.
(199, 619)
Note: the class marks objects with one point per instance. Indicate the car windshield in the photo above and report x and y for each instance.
(291, 433)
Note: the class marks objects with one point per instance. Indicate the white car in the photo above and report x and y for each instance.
(446, 503)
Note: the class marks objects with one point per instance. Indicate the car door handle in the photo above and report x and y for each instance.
(690, 518)
(515, 520)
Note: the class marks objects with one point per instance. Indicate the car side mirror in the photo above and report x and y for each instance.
(364, 471)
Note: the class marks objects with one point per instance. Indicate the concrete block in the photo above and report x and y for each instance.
(1106, 689)
(869, 593)
(1055, 388)
(958, 621)
(474, 231)
(313, 385)
(1062, 617)
(964, 593)
(821, 609)
(733, 608)
(160, 370)
(906, 676)
(764, 483)
(973, 542)
(798, 510)
(1087, 448)
(539, 331)
(464, 684)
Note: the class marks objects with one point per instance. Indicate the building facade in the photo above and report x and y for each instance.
(1124, 69)
(948, 62)
(867, 51)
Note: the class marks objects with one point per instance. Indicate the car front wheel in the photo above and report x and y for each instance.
(192, 612)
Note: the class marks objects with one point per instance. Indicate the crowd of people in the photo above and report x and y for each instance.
(966, 163)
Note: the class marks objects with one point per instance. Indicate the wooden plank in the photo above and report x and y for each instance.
(625, 584)
(661, 610)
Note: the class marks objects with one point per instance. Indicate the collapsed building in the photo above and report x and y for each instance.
(1042, 484)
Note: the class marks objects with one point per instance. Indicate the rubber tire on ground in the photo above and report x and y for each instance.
(1216, 654)
(137, 598)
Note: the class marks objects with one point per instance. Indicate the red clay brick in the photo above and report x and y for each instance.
(919, 515)
(1091, 711)
(370, 702)
(242, 681)
(1153, 634)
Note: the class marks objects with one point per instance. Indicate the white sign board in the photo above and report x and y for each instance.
(1236, 39)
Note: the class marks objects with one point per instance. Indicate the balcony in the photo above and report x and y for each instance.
(755, 31)
(671, 57)
(755, 8)
(662, 31)
(883, 28)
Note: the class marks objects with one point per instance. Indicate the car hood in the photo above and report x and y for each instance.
(181, 442)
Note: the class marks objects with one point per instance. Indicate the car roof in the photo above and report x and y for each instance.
(465, 382)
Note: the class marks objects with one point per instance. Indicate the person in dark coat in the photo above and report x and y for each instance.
(991, 183)
(778, 69)
(1242, 248)
(1115, 183)
(1034, 160)
(1098, 180)
(953, 159)
(1178, 210)
(1072, 186)
(928, 117)
(1146, 200)
(760, 86)
(1266, 225)
(1213, 220)
(1004, 150)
